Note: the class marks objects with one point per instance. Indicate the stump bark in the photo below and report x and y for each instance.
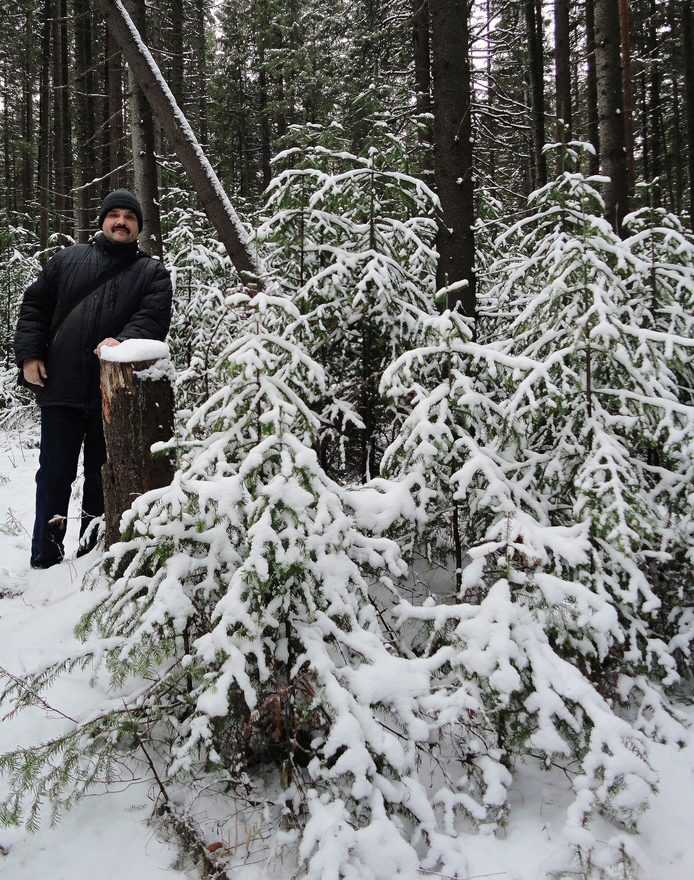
(137, 411)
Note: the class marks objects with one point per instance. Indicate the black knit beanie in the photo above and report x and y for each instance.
(121, 198)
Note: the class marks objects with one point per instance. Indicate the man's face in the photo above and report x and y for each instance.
(120, 224)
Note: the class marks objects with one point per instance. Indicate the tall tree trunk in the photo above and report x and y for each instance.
(156, 13)
(199, 51)
(611, 110)
(533, 21)
(422, 68)
(245, 173)
(265, 131)
(453, 151)
(290, 81)
(281, 113)
(62, 137)
(491, 94)
(645, 127)
(176, 62)
(145, 171)
(6, 141)
(115, 126)
(654, 95)
(667, 160)
(562, 71)
(44, 150)
(625, 34)
(688, 52)
(210, 191)
(58, 118)
(85, 128)
(27, 189)
(677, 145)
(592, 88)
(662, 154)
(265, 134)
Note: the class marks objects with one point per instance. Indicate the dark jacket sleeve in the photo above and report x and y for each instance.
(153, 316)
(35, 314)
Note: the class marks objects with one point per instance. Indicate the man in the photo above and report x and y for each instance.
(87, 296)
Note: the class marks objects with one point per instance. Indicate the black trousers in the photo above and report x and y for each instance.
(64, 430)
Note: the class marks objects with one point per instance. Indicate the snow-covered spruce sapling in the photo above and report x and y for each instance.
(239, 634)
(664, 251)
(609, 397)
(510, 641)
(663, 279)
(175, 561)
(443, 389)
(356, 240)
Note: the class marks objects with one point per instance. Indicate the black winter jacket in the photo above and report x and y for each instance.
(61, 323)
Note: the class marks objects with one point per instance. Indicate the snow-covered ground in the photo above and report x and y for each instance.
(108, 834)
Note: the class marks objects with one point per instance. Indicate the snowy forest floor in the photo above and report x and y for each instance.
(108, 834)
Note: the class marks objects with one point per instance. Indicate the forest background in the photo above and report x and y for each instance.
(433, 512)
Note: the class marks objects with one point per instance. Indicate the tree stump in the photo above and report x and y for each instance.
(137, 408)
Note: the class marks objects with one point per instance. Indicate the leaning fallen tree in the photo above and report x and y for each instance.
(175, 125)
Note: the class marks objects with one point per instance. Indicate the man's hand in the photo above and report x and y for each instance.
(108, 342)
(34, 371)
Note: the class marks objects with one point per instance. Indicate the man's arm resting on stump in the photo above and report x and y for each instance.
(108, 342)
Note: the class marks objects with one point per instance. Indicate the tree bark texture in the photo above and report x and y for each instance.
(628, 91)
(677, 146)
(173, 122)
(62, 136)
(6, 149)
(611, 110)
(145, 172)
(688, 51)
(265, 132)
(453, 152)
(645, 127)
(533, 21)
(115, 126)
(490, 87)
(592, 88)
(198, 39)
(657, 146)
(243, 150)
(422, 68)
(176, 62)
(44, 125)
(562, 69)
(85, 121)
(29, 76)
(137, 412)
